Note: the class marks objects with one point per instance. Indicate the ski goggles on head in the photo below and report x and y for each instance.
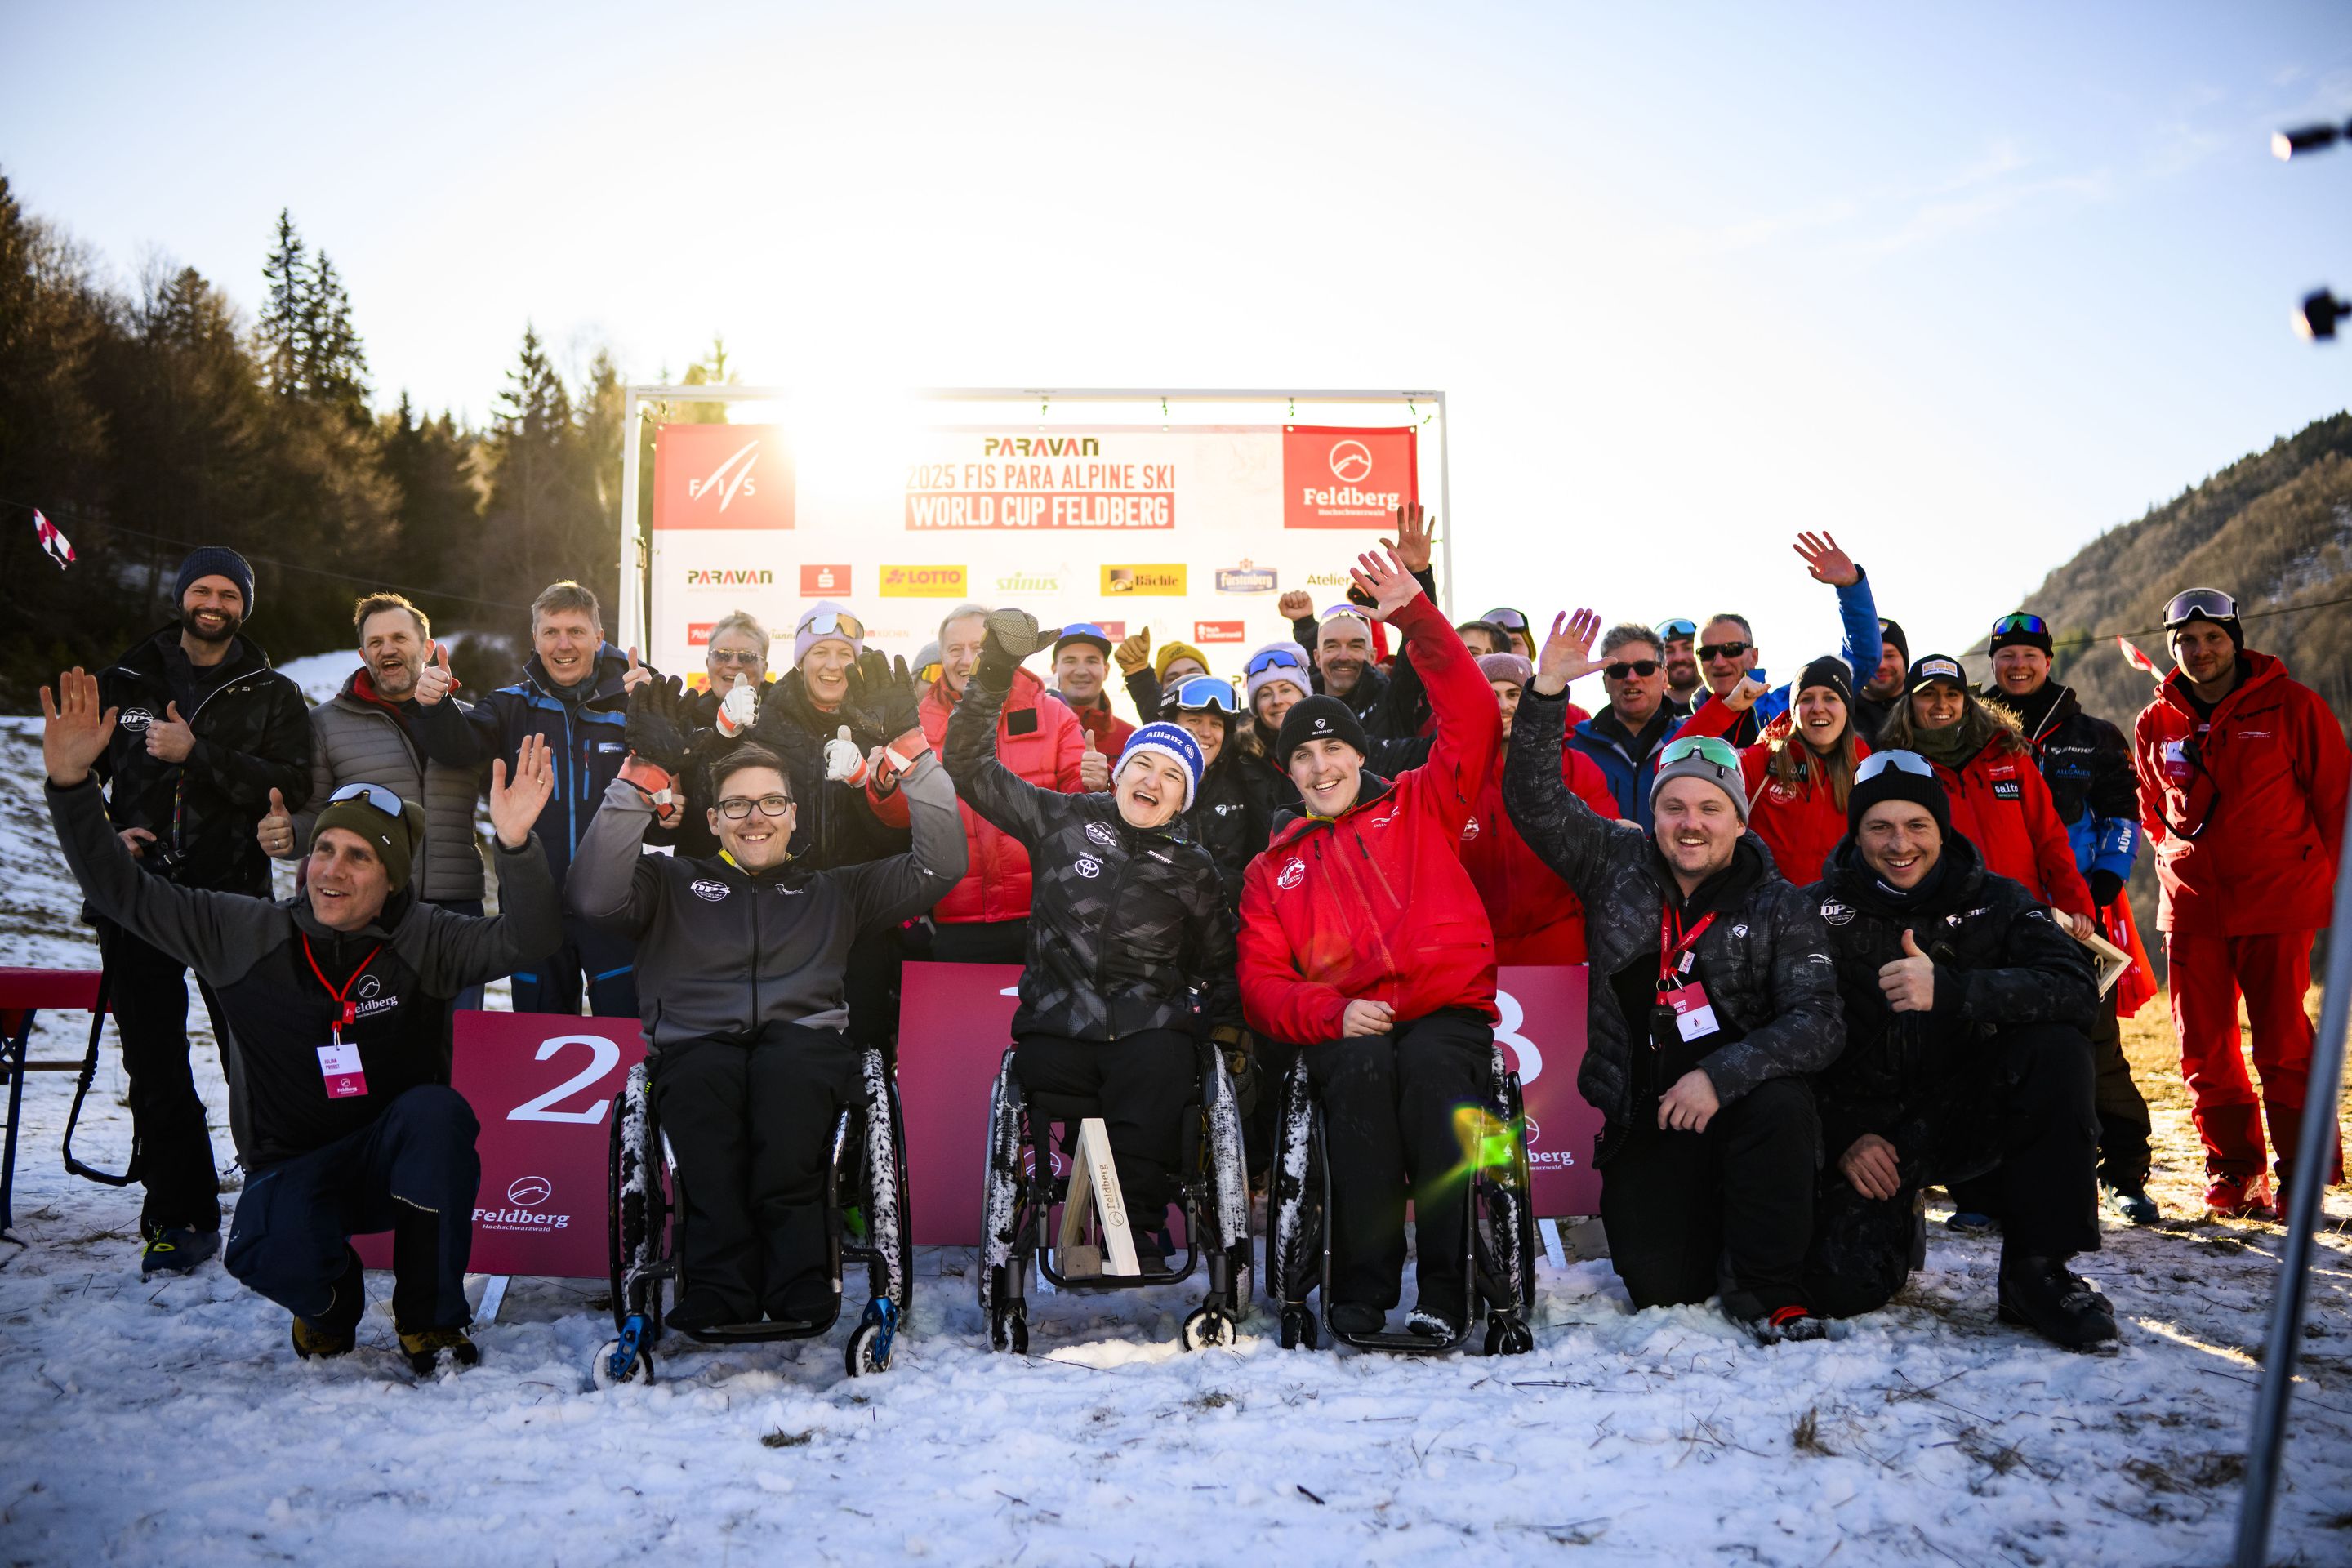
(1878, 763)
(2032, 625)
(1682, 628)
(1710, 749)
(2198, 604)
(1203, 693)
(1510, 620)
(1353, 612)
(1274, 658)
(376, 795)
(830, 623)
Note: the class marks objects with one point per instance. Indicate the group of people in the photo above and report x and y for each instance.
(1836, 928)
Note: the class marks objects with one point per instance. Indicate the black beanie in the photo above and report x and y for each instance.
(1828, 670)
(215, 561)
(1315, 719)
(1892, 632)
(2023, 638)
(1891, 783)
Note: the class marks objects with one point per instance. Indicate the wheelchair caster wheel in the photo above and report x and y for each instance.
(613, 1366)
(1509, 1336)
(1300, 1330)
(875, 1336)
(1205, 1328)
(1007, 1330)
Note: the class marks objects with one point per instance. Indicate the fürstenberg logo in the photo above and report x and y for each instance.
(729, 480)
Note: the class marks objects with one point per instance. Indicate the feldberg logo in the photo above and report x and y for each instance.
(1351, 461)
(529, 1191)
(729, 478)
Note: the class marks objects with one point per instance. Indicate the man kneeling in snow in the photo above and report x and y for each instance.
(337, 1002)
(1965, 1007)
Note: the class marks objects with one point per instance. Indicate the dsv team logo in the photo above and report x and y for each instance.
(1088, 866)
(1292, 875)
(1351, 461)
(529, 1191)
(729, 478)
(708, 891)
(1101, 834)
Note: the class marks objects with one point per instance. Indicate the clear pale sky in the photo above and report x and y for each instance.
(1963, 285)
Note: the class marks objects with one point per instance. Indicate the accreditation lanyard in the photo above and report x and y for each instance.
(1677, 991)
(339, 1064)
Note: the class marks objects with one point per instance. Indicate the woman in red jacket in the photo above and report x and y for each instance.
(1536, 919)
(1364, 943)
(1800, 773)
(2000, 802)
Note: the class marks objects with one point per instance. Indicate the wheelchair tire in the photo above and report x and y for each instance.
(636, 1207)
(1204, 1329)
(1509, 1336)
(1299, 1328)
(600, 1368)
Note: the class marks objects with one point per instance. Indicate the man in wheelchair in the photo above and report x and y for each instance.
(1363, 941)
(741, 959)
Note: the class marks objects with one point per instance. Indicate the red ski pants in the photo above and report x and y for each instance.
(2206, 976)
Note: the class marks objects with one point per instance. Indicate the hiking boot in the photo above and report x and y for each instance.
(425, 1351)
(1355, 1317)
(335, 1330)
(2239, 1197)
(1431, 1323)
(176, 1249)
(2131, 1205)
(311, 1339)
(2060, 1306)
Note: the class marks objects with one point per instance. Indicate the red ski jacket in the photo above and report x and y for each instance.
(2246, 811)
(1536, 918)
(1800, 823)
(2001, 805)
(1373, 904)
(1040, 741)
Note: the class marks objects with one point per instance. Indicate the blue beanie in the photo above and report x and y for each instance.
(1172, 741)
(215, 561)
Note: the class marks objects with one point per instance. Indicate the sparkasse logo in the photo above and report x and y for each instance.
(822, 580)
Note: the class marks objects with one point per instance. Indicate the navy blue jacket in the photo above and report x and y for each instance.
(1628, 761)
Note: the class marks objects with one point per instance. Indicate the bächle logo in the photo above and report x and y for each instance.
(733, 478)
(529, 1191)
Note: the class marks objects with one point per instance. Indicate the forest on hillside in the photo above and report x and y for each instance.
(143, 420)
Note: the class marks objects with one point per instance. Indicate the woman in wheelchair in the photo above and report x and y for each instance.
(1364, 943)
(1126, 926)
(741, 960)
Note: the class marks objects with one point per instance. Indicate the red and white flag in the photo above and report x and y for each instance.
(2140, 661)
(54, 546)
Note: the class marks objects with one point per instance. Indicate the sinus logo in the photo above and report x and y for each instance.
(733, 478)
(529, 1191)
(1351, 461)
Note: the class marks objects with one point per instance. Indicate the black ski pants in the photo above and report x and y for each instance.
(592, 960)
(1725, 1211)
(2039, 1101)
(147, 990)
(1390, 1124)
(1143, 1082)
(413, 1170)
(750, 1120)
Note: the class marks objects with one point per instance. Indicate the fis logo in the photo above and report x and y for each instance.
(729, 478)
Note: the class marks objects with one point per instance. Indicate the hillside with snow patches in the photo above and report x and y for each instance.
(170, 1422)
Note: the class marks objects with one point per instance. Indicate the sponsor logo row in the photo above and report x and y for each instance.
(1161, 579)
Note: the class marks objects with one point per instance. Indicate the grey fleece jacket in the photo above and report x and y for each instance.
(722, 951)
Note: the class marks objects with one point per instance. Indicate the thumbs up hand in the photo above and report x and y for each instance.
(169, 737)
(436, 679)
(740, 709)
(1093, 768)
(636, 675)
(275, 831)
(1909, 982)
(844, 762)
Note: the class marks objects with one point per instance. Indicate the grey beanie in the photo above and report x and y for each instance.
(1695, 764)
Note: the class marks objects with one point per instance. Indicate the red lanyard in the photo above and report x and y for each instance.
(1673, 942)
(350, 1010)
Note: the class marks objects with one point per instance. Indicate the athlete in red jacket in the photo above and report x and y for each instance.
(1800, 774)
(984, 918)
(1536, 918)
(2242, 788)
(1999, 800)
(1363, 940)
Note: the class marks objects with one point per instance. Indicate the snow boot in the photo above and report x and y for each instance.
(2041, 1294)
(425, 1350)
(1355, 1317)
(1786, 1325)
(176, 1249)
(1431, 1323)
(2131, 1205)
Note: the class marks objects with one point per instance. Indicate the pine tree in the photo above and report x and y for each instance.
(334, 369)
(530, 442)
(285, 310)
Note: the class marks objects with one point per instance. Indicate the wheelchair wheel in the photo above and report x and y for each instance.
(637, 1204)
(1300, 1331)
(871, 1344)
(1207, 1327)
(613, 1366)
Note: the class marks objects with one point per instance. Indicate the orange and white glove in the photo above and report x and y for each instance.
(654, 781)
(738, 710)
(844, 762)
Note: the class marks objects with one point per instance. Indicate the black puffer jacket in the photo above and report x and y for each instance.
(1914, 1078)
(1764, 960)
(1233, 817)
(253, 735)
(1126, 925)
(836, 825)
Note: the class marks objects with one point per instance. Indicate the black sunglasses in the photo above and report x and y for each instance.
(1724, 649)
(1640, 669)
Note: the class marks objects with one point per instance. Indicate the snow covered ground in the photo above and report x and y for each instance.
(171, 1424)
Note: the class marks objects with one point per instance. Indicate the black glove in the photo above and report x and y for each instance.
(1011, 637)
(657, 725)
(887, 695)
(2105, 887)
